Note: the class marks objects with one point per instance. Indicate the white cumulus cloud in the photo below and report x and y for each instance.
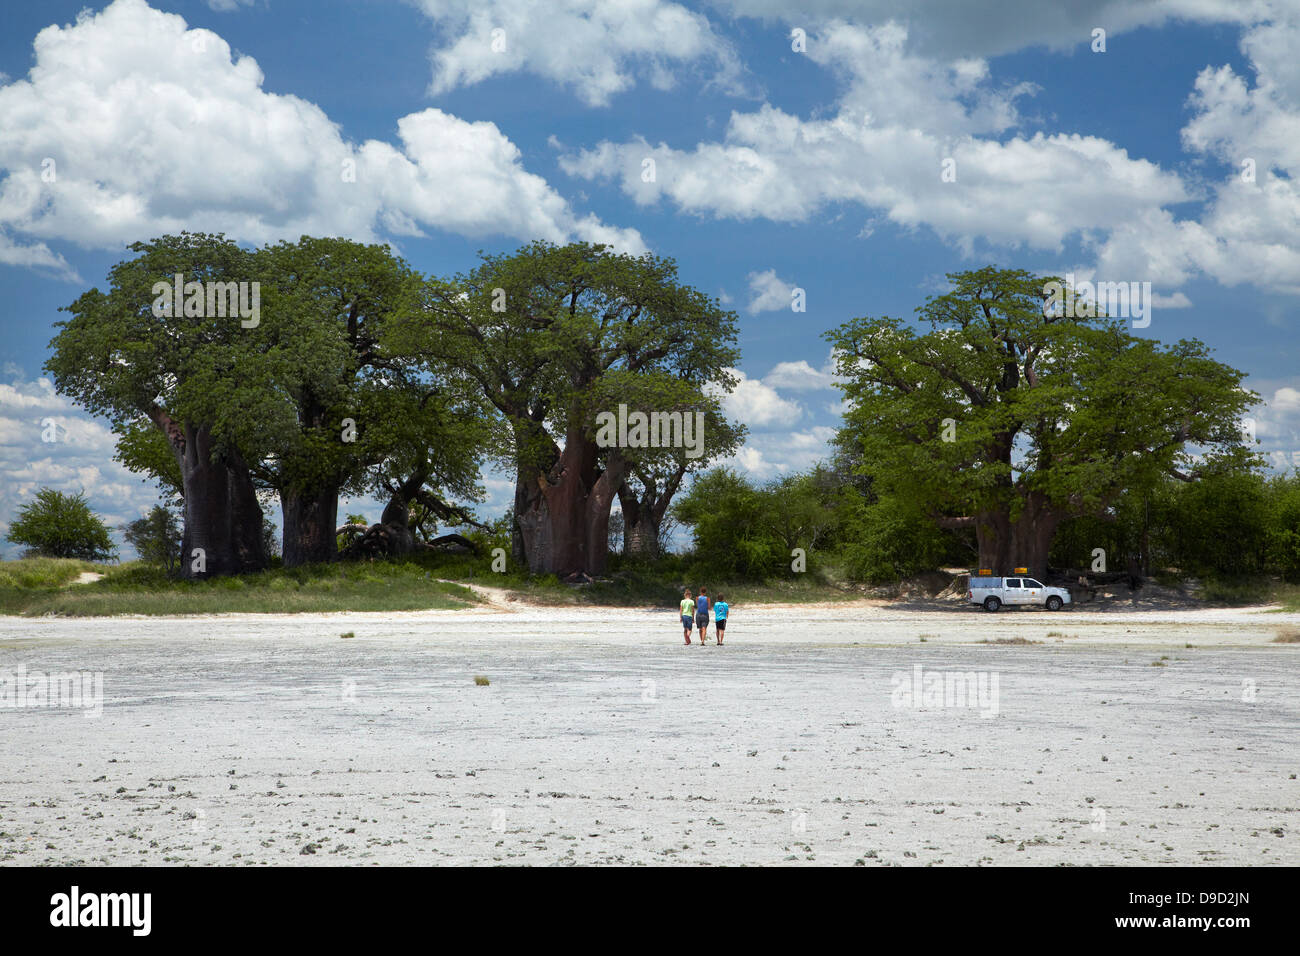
(932, 141)
(130, 125)
(758, 405)
(768, 292)
(960, 28)
(598, 48)
(801, 376)
(901, 121)
(46, 441)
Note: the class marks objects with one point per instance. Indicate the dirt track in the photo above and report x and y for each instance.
(255, 739)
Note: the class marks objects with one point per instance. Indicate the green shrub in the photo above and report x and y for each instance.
(56, 525)
(156, 538)
(889, 540)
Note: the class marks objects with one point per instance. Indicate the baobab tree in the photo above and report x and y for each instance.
(1007, 418)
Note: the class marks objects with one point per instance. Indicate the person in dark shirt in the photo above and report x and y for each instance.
(702, 614)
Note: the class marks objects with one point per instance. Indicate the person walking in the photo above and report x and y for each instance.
(702, 614)
(720, 610)
(687, 612)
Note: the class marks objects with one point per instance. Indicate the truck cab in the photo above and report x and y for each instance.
(1021, 591)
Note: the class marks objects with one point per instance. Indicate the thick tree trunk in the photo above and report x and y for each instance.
(598, 505)
(641, 537)
(310, 520)
(1146, 537)
(562, 517)
(537, 455)
(643, 515)
(396, 518)
(223, 520)
(641, 540)
(396, 521)
(565, 515)
(640, 526)
(1005, 545)
(530, 541)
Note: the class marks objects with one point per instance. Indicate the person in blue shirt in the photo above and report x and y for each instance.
(720, 614)
(702, 614)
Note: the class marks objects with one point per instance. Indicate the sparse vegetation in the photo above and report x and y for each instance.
(1287, 596)
(137, 588)
(418, 581)
(42, 572)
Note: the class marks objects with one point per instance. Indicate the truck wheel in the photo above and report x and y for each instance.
(991, 604)
(1053, 603)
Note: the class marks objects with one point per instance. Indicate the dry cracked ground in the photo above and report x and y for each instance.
(254, 740)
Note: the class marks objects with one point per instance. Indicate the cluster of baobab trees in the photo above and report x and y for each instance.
(360, 375)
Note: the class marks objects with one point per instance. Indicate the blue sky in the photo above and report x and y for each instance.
(774, 168)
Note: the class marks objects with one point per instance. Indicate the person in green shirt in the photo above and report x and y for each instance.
(688, 614)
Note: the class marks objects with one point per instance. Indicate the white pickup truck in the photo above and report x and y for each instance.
(992, 593)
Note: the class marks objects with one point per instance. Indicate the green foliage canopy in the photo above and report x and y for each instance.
(58, 525)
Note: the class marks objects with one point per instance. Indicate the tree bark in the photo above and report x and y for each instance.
(310, 520)
(565, 497)
(536, 455)
(1006, 544)
(640, 530)
(530, 538)
(598, 505)
(562, 517)
(643, 515)
(223, 519)
(397, 513)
